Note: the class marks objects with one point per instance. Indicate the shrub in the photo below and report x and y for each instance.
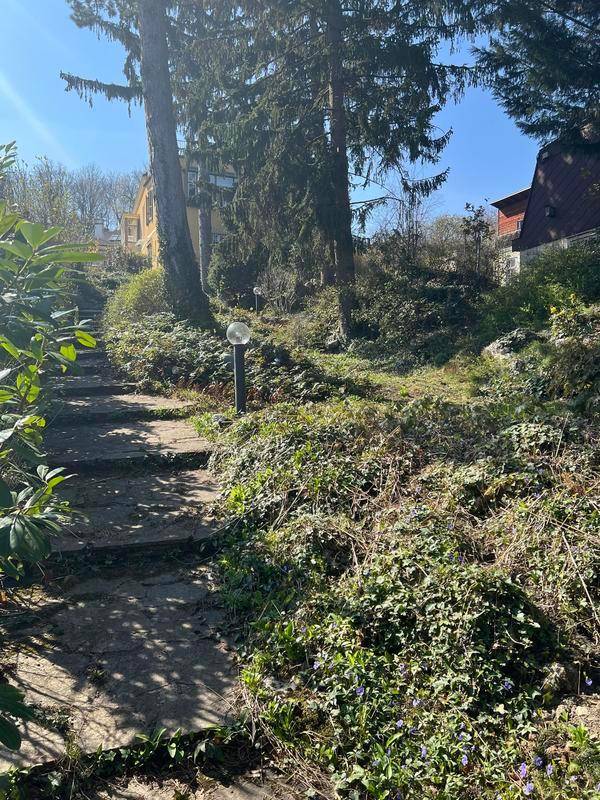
(157, 351)
(415, 314)
(232, 278)
(141, 295)
(548, 281)
(37, 346)
(563, 365)
(318, 324)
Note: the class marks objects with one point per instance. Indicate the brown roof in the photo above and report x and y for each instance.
(569, 183)
(510, 198)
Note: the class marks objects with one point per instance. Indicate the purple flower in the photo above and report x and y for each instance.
(316, 665)
(399, 723)
(388, 752)
(416, 703)
(523, 770)
(423, 751)
(538, 761)
(588, 681)
(529, 787)
(549, 770)
(360, 690)
(461, 736)
(508, 685)
(413, 731)
(464, 760)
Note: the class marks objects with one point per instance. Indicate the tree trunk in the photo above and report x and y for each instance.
(176, 249)
(342, 216)
(204, 223)
(328, 267)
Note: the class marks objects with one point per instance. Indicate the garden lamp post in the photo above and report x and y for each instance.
(257, 294)
(238, 334)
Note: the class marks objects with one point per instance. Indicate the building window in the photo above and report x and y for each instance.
(192, 183)
(149, 207)
(222, 181)
(132, 230)
(519, 225)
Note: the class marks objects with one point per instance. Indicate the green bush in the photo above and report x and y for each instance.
(232, 278)
(318, 324)
(141, 295)
(158, 351)
(414, 314)
(546, 282)
(564, 365)
(38, 341)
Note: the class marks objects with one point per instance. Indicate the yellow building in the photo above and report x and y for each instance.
(138, 227)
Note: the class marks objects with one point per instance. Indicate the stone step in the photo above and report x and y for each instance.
(115, 656)
(138, 512)
(143, 787)
(109, 447)
(121, 407)
(91, 354)
(94, 385)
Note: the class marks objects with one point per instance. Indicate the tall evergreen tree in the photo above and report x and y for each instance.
(544, 66)
(338, 90)
(149, 35)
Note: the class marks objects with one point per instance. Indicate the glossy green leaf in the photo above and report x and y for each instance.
(9, 734)
(85, 339)
(20, 249)
(6, 499)
(68, 351)
(35, 234)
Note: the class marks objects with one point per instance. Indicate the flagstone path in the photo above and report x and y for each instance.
(133, 638)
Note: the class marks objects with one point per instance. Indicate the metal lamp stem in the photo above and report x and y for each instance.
(239, 374)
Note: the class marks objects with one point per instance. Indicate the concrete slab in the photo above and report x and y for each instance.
(123, 656)
(97, 409)
(169, 789)
(93, 445)
(139, 510)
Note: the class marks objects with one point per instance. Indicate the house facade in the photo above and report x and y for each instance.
(139, 232)
(561, 208)
(510, 215)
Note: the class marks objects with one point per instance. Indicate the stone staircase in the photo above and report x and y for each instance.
(127, 634)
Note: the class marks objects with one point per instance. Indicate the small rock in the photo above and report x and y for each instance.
(561, 678)
(511, 343)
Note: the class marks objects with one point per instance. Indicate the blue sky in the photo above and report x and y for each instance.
(488, 157)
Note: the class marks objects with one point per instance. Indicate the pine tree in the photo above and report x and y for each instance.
(544, 67)
(147, 31)
(332, 92)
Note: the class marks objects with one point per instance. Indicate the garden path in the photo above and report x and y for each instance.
(129, 635)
